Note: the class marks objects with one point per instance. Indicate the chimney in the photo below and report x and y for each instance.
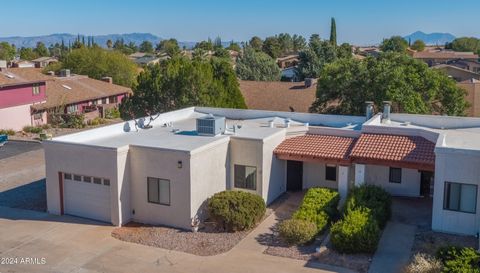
(369, 109)
(51, 73)
(386, 112)
(107, 79)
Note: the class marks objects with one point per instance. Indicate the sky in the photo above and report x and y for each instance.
(358, 22)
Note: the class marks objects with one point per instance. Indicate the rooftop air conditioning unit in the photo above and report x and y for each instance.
(210, 125)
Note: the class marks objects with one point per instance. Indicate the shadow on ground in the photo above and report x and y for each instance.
(32, 196)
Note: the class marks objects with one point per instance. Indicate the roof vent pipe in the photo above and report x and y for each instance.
(369, 109)
(271, 123)
(287, 123)
(386, 111)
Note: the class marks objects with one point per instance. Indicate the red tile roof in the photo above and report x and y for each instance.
(330, 149)
(394, 150)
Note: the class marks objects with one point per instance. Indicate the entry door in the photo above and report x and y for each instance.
(294, 175)
(426, 180)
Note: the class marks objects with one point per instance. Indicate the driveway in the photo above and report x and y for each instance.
(70, 244)
(13, 148)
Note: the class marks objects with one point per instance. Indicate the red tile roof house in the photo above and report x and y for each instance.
(164, 174)
(28, 95)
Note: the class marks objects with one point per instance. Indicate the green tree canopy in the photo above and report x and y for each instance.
(465, 44)
(394, 44)
(26, 53)
(346, 84)
(97, 63)
(418, 45)
(299, 43)
(272, 47)
(205, 45)
(317, 55)
(286, 43)
(257, 66)
(180, 82)
(109, 43)
(7, 51)
(234, 46)
(146, 47)
(169, 46)
(333, 32)
(41, 50)
(256, 43)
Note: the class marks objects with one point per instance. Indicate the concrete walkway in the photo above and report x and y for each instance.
(394, 249)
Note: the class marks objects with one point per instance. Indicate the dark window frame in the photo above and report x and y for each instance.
(328, 172)
(446, 197)
(243, 185)
(391, 178)
(157, 180)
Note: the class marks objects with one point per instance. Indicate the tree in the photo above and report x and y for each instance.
(169, 46)
(257, 66)
(418, 45)
(205, 45)
(272, 47)
(7, 51)
(217, 43)
(180, 82)
(97, 63)
(299, 43)
(234, 46)
(394, 44)
(146, 47)
(41, 50)
(315, 57)
(109, 44)
(470, 44)
(333, 32)
(26, 53)
(286, 43)
(346, 84)
(344, 51)
(256, 43)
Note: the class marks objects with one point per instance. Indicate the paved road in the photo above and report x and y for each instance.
(70, 244)
(13, 148)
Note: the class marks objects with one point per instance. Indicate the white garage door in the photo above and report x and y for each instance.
(87, 196)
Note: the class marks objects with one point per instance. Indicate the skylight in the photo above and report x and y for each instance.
(10, 76)
(66, 87)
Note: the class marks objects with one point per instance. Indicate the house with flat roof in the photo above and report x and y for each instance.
(162, 171)
(442, 56)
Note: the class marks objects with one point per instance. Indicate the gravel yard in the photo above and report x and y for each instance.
(429, 241)
(357, 262)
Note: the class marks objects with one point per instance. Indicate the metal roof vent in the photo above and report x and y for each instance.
(210, 125)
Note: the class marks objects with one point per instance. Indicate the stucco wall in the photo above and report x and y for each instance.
(15, 117)
(314, 176)
(379, 175)
(21, 94)
(273, 170)
(208, 175)
(81, 160)
(461, 168)
(160, 163)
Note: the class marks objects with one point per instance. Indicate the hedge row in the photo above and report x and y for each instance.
(367, 211)
(318, 207)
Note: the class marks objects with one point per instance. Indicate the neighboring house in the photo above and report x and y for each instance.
(278, 96)
(287, 61)
(22, 64)
(473, 66)
(137, 55)
(164, 174)
(442, 56)
(28, 96)
(147, 60)
(44, 61)
(17, 96)
(472, 86)
(457, 73)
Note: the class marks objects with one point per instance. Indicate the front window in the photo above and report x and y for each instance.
(331, 172)
(72, 108)
(460, 197)
(245, 177)
(36, 89)
(158, 191)
(395, 175)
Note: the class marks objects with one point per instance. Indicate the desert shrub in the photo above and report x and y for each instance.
(320, 219)
(112, 113)
(32, 129)
(46, 126)
(236, 210)
(423, 263)
(357, 232)
(297, 231)
(459, 259)
(374, 198)
(96, 121)
(8, 132)
(73, 120)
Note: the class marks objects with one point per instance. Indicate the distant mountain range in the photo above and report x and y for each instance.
(430, 38)
(101, 40)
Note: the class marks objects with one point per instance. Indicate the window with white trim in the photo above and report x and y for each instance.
(158, 191)
(36, 89)
(460, 197)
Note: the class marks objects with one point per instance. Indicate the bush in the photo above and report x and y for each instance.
(459, 259)
(357, 232)
(96, 121)
(8, 132)
(297, 231)
(112, 113)
(423, 263)
(46, 126)
(320, 220)
(374, 198)
(32, 129)
(73, 120)
(236, 210)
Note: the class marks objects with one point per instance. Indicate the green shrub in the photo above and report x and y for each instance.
(297, 231)
(96, 121)
(32, 129)
(46, 126)
(73, 120)
(236, 210)
(112, 113)
(9, 132)
(459, 259)
(320, 219)
(357, 232)
(321, 199)
(374, 198)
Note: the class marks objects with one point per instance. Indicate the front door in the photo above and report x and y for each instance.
(294, 175)
(426, 180)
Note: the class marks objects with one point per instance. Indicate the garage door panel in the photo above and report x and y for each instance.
(87, 200)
